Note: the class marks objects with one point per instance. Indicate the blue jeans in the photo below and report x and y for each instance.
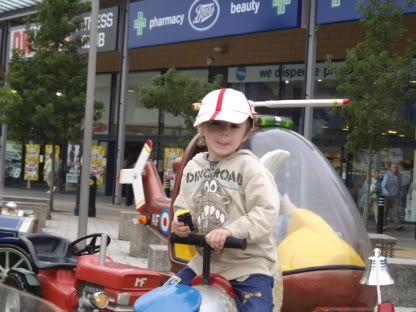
(254, 294)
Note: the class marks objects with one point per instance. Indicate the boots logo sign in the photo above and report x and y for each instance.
(155, 22)
(202, 15)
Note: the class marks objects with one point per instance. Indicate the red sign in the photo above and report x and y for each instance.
(18, 41)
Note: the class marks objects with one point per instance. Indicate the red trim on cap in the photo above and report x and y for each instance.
(219, 104)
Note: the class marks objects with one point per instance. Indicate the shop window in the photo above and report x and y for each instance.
(140, 120)
(103, 95)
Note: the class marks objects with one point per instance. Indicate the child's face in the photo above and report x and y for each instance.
(223, 138)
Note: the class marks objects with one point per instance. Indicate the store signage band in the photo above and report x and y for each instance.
(333, 11)
(106, 34)
(155, 22)
(264, 73)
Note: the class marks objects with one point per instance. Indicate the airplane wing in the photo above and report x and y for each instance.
(133, 176)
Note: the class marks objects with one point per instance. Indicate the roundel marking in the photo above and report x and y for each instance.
(164, 222)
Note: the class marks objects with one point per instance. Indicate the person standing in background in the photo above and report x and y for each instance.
(391, 191)
(47, 171)
(375, 186)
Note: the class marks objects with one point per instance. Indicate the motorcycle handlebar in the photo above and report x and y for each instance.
(199, 240)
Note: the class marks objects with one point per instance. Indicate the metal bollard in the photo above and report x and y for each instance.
(92, 196)
(380, 214)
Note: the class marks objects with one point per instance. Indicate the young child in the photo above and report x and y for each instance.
(229, 193)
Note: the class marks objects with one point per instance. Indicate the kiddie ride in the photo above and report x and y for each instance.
(320, 238)
(72, 276)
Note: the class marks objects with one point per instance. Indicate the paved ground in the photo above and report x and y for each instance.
(406, 241)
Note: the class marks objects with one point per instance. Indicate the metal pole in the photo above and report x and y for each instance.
(123, 106)
(3, 140)
(310, 70)
(3, 145)
(103, 249)
(89, 110)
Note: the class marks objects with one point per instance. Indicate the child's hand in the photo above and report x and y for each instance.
(216, 238)
(179, 228)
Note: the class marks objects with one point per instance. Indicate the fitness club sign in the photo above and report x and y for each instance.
(106, 34)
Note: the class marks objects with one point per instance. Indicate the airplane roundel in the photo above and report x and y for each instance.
(164, 222)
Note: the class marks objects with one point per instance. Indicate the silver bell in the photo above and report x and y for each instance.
(377, 272)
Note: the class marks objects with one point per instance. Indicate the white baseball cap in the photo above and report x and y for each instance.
(226, 105)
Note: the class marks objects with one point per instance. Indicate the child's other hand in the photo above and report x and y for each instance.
(216, 238)
(179, 228)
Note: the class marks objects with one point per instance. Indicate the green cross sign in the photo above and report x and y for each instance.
(281, 6)
(139, 23)
(335, 3)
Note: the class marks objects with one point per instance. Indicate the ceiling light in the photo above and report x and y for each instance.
(287, 81)
(392, 132)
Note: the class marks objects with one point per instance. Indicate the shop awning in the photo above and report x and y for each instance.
(16, 8)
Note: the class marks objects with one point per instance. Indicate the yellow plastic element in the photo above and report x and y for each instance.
(311, 242)
(184, 252)
(181, 212)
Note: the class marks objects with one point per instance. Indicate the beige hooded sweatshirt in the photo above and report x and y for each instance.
(240, 195)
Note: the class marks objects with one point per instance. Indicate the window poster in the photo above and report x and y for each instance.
(32, 162)
(73, 163)
(170, 154)
(98, 162)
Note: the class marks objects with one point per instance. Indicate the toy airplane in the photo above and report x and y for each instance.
(321, 239)
(133, 176)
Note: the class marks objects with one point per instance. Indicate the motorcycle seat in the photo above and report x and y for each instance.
(49, 251)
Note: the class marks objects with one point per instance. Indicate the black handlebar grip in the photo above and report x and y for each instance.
(186, 218)
(236, 243)
(199, 240)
